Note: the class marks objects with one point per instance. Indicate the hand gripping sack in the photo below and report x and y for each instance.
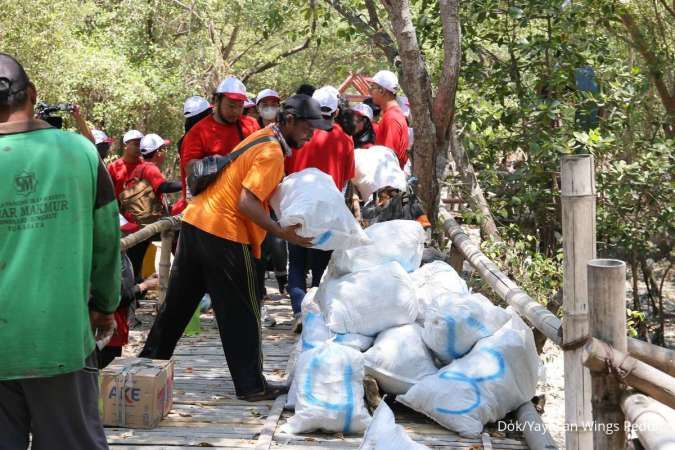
(454, 323)
(384, 434)
(309, 198)
(369, 301)
(399, 359)
(496, 377)
(375, 168)
(398, 240)
(330, 393)
(435, 279)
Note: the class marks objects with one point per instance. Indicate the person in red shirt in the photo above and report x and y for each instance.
(332, 152)
(121, 168)
(152, 148)
(195, 109)
(392, 130)
(220, 132)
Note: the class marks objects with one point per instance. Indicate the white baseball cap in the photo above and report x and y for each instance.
(232, 88)
(386, 79)
(195, 105)
(267, 93)
(404, 103)
(364, 110)
(131, 135)
(100, 137)
(327, 96)
(249, 103)
(151, 142)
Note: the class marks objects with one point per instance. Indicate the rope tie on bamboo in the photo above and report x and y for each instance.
(617, 370)
(575, 343)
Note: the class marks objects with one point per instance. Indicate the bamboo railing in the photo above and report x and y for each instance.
(591, 343)
(166, 227)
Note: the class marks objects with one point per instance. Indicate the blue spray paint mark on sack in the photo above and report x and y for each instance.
(323, 238)
(474, 381)
(309, 318)
(452, 331)
(347, 407)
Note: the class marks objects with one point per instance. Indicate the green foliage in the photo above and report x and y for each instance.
(131, 63)
(517, 256)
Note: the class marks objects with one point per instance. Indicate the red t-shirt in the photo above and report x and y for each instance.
(120, 172)
(332, 152)
(392, 132)
(209, 137)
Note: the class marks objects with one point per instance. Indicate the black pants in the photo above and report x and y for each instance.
(61, 412)
(224, 269)
(106, 356)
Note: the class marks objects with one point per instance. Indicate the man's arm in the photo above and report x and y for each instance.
(81, 124)
(106, 270)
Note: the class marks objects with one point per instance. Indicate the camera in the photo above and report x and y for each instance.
(47, 111)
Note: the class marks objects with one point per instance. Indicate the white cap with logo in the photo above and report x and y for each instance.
(232, 88)
(151, 142)
(327, 96)
(100, 137)
(131, 135)
(364, 110)
(195, 105)
(388, 80)
(266, 93)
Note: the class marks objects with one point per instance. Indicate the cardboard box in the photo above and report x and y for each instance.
(136, 392)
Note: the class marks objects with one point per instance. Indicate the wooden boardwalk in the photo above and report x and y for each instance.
(206, 412)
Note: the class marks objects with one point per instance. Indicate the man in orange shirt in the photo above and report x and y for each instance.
(392, 130)
(220, 132)
(223, 229)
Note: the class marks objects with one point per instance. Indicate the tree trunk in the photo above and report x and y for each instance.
(471, 190)
(417, 86)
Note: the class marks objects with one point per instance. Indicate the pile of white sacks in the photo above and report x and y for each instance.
(445, 352)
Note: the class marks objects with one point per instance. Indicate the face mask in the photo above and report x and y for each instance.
(269, 112)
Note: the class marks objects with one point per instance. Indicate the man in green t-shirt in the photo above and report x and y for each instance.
(59, 275)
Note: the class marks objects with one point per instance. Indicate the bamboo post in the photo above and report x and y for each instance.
(577, 195)
(652, 421)
(165, 263)
(607, 317)
(599, 357)
(535, 431)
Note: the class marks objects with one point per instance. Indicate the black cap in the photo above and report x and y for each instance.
(13, 78)
(306, 108)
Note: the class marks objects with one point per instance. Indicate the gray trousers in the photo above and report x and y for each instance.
(60, 412)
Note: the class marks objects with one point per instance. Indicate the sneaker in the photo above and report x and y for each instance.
(267, 320)
(297, 323)
(271, 392)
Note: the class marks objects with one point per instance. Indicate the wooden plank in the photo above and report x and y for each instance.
(487, 443)
(267, 433)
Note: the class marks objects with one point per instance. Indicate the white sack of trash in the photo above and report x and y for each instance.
(454, 323)
(310, 199)
(401, 241)
(375, 168)
(399, 359)
(497, 376)
(368, 301)
(384, 434)
(435, 279)
(329, 391)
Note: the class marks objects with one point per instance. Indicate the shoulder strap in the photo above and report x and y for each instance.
(234, 155)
